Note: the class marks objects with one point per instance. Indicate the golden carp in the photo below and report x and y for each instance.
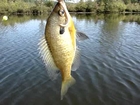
(58, 47)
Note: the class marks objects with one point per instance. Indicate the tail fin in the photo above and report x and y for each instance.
(65, 86)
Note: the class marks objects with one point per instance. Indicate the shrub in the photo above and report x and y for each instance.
(116, 6)
(3, 8)
(71, 7)
(81, 6)
(133, 7)
(15, 7)
(101, 7)
(39, 9)
(90, 6)
(49, 4)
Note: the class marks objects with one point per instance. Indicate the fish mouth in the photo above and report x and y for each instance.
(62, 3)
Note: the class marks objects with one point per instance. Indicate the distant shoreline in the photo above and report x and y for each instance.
(104, 12)
(73, 13)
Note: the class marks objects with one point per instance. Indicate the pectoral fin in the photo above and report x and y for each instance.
(81, 36)
(48, 59)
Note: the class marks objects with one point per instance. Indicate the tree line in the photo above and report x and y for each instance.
(25, 6)
(45, 6)
(106, 6)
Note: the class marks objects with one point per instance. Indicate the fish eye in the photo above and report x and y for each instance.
(61, 12)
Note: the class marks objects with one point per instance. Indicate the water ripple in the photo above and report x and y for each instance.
(108, 74)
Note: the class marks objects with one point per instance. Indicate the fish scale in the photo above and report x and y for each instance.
(63, 53)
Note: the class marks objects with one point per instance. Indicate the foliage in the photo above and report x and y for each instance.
(81, 6)
(21, 7)
(43, 6)
(13, 7)
(49, 4)
(71, 7)
(39, 9)
(116, 6)
(3, 7)
(133, 7)
(127, 1)
(101, 6)
(91, 6)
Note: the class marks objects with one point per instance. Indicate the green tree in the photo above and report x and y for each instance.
(81, 6)
(127, 1)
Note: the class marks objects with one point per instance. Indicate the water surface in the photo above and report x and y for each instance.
(109, 73)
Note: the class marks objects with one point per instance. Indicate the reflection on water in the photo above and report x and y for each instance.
(109, 72)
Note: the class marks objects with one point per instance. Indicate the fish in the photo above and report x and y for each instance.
(58, 47)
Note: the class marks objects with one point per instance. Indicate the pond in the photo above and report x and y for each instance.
(109, 73)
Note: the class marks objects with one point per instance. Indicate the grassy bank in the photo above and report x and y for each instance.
(36, 7)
